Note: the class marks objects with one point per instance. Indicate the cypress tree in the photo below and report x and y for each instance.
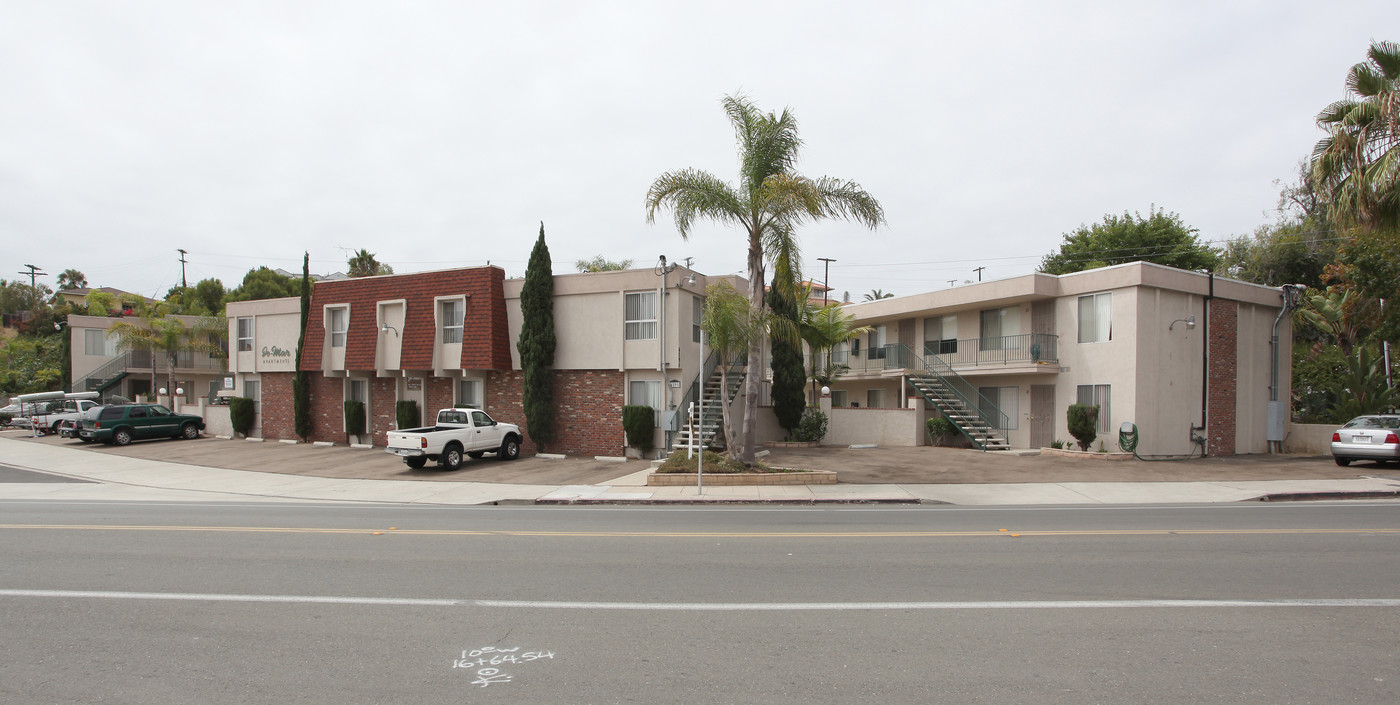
(789, 372)
(536, 344)
(301, 383)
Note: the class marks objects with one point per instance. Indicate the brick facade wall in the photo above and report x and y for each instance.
(1222, 377)
(588, 419)
(437, 395)
(278, 417)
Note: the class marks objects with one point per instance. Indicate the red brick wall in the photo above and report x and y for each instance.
(1221, 377)
(486, 335)
(588, 419)
(382, 412)
(438, 395)
(278, 419)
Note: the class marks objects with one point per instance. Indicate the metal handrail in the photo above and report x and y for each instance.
(141, 360)
(986, 409)
(997, 350)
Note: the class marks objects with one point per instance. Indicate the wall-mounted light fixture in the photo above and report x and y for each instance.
(1190, 322)
(385, 328)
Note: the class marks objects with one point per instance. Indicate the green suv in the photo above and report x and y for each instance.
(123, 423)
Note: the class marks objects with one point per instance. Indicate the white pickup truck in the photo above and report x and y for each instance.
(458, 431)
(46, 410)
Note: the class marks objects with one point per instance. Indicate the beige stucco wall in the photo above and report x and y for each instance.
(1169, 366)
(886, 427)
(1310, 438)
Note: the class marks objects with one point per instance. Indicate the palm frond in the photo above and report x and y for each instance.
(692, 194)
(848, 201)
(1386, 57)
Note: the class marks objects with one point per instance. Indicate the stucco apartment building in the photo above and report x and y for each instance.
(1181, 355)
(99, 365)
(448, 338)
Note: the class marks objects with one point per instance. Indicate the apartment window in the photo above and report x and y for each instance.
(641, 316)
(1096, 318)
(941, 335)
(1098, 395)
(998, 324)
(356, 390)
(97, 344)
(450, 315)
(875, 398)
(1007, 400)
(252, 389)
(646, 393)
(245, 334)
(340, 319)
(838, 398)
(697, 315)
(469, 393)
(876, 343)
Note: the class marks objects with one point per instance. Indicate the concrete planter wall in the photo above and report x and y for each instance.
(742, 479)
(1085, 454)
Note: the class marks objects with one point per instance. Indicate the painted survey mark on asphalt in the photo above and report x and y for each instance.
(493, 665)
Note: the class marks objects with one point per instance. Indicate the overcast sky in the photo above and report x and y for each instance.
(440, 134)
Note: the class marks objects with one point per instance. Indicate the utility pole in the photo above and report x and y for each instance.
(951, 282)
(826, 277)
(183, 284)
(979, 273)
(34, 272)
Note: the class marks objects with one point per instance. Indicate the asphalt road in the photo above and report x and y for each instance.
(180, 603)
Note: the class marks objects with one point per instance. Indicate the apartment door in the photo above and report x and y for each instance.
(1042, 416)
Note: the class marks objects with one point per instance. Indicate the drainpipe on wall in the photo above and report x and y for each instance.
(1204, 439)
(662, 268)
(1278, 410)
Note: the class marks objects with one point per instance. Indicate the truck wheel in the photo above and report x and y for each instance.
(415, 463)
(122, 437)
(451, 458)
(510, 449)
(189, 431)
(54, 428)
(475, 453)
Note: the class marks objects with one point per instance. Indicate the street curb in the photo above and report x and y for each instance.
(795, 502)
(1310, 496)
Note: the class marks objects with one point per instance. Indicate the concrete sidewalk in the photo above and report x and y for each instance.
(134, 478)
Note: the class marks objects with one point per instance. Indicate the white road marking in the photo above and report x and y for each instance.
(706, 606)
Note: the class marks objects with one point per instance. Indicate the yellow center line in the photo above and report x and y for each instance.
(705, 534)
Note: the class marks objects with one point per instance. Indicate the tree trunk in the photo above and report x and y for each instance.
(753, 366)
(730, 447)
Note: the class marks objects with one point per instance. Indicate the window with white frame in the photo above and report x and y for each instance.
(1007, 400)
(97, 344)
(1096, 395)
(697, 316)
(245, 334)
(640, 316)
(469, 393)
(875, 398)
(252, 389)
(450, 314)
(876, 342)
(997, 324)
(838, 398)
(646, 393)
(339, 323)
(1096, 318)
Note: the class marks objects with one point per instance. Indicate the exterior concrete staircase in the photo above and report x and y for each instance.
(980, 427)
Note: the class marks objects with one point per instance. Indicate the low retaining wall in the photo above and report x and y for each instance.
(742, 479)
(1310, 438)
(1085, 454)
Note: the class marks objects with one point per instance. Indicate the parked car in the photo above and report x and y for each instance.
(1367, 438)
(458, 431)
(124, 423)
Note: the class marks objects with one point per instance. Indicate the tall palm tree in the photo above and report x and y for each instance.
(71, 279)
(1356, 168)
(731, 325)
(155, 332)
(770, 201)
(363, 264)
(877, 294)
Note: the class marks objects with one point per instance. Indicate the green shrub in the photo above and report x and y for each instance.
(812, 427)
(714, 463)
(354, 417)
(5, 419)
(1083, 423)
(640, 424)
(1057, 444)
(939, 429)
(406, 413)
(241, 415)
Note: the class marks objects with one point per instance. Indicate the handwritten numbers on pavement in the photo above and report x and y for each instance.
(488, 661)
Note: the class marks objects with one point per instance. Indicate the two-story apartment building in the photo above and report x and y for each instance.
(99, 365)
(1179, 354)
(448, 338)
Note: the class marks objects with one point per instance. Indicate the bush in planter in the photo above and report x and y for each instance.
(406, 413)
(241, 415)
(640, 423)
(1083, 424)
(812, 427)
(354, 417)
(940, 429)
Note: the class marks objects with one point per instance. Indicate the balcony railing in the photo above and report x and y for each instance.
(1002, 350)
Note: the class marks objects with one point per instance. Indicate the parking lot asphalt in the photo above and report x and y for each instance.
(875, 466)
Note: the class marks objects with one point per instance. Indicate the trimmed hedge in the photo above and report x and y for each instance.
(241, 414)
(640, 424)
(354, 417)
(1083, 423)
(812, 427)
(406, 413)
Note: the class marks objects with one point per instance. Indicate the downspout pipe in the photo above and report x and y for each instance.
(1292, 295)
(1205, 361)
